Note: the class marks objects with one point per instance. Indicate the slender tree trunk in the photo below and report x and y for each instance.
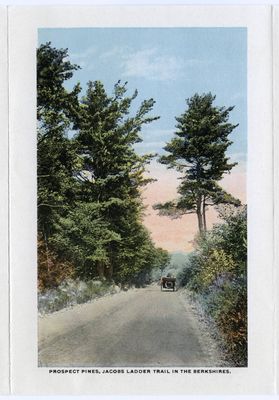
(200, 221)
(199, 215)
(203, 214)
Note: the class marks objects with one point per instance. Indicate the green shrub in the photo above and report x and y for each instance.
(216, 271)
(217, 264)
(231, 317)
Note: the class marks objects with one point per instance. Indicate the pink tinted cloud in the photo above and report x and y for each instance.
(178, 234)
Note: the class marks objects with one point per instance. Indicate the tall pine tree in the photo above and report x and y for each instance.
(198, 152)
(112, 174)
(57, 112)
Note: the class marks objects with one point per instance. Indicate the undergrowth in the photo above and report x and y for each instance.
(72, 292)
(216, 274)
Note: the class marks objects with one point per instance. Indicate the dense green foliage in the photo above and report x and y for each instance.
(90, 178)
(57, 110)
(217, 273)
(198, 151)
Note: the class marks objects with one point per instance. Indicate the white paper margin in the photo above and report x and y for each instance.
(4, 214)
(276, 176)
(27, 378)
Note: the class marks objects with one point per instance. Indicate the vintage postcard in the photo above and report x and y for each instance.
(141, 200)
(137, 195)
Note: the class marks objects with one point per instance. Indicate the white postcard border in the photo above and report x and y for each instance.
(276, 178)
(4, 208)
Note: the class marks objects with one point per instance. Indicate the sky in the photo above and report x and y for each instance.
(168, 65)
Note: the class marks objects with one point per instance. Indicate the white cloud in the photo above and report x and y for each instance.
(84, 58)
(85, 54)
(157, 134)
(151, 65)
(153, 140)
(151, 147)
(235, 157)
(116, 51)
(146, 63)
(238, 96)
(197, 62)
(241, 159)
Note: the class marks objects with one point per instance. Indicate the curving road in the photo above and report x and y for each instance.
(141, 327)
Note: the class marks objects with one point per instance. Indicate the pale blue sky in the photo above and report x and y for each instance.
(167, 64)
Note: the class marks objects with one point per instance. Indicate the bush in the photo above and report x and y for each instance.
(231, 317)
(218, 265)
(216, 271)
(72, 292)
(191, 268)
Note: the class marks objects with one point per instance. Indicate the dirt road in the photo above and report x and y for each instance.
(142, 327)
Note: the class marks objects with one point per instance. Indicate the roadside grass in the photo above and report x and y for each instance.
(72, 292)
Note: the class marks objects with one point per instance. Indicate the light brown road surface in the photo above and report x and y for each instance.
(139, 328)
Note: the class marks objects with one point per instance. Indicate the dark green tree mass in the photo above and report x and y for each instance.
(90, 177)
(198, 152)
(112, 174)
(57, 111)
